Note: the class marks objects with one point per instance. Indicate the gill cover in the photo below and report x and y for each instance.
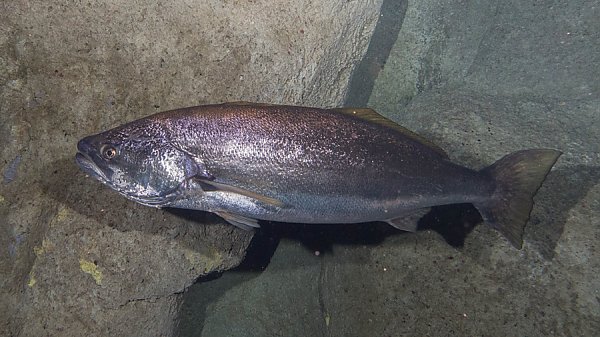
(138, 161)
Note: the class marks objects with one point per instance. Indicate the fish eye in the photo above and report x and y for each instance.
(108, 152)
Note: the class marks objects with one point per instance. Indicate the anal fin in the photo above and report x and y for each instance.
(409, 220)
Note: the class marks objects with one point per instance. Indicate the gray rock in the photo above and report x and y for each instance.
(78, 259)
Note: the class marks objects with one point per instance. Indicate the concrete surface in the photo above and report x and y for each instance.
(481, 79)
(77, 259)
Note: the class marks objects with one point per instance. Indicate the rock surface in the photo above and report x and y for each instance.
(76, 258)
(481, 79)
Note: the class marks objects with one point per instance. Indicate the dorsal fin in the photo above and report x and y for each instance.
(245, 103)
(372, 116)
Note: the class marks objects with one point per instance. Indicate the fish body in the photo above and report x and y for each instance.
(249, 162)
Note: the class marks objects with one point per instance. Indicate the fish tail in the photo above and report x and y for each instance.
(518, 176)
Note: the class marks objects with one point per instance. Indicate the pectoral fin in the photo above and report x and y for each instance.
(241, 191)
(239, 220)
(409, 220)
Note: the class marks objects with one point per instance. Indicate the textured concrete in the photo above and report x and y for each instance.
(77, 259)
(481, 79)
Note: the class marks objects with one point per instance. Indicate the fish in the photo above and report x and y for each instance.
(250, 162)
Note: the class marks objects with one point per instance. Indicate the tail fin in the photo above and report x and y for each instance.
(518, 176)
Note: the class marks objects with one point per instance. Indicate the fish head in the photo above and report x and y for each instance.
(139, 161)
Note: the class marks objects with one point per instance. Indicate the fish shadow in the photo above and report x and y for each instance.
(382, 41)
(452, 222)
(86, 196)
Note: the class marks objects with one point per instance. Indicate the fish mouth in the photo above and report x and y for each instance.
(87, 163)
(88, 166)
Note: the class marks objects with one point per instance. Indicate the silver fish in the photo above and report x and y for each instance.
(248, 162)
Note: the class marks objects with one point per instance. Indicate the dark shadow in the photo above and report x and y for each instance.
(200, 295)
(199, 217)
(259, 252)
(452, 222)
(196, 299)
(88, 197)
(322, 237)
(383, 39)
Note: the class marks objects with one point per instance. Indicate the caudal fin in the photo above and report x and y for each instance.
(518, 176)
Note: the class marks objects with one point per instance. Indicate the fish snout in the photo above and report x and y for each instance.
(88, 160)
(85, 146)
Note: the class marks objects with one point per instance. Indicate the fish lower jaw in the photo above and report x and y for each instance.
(90, 168)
